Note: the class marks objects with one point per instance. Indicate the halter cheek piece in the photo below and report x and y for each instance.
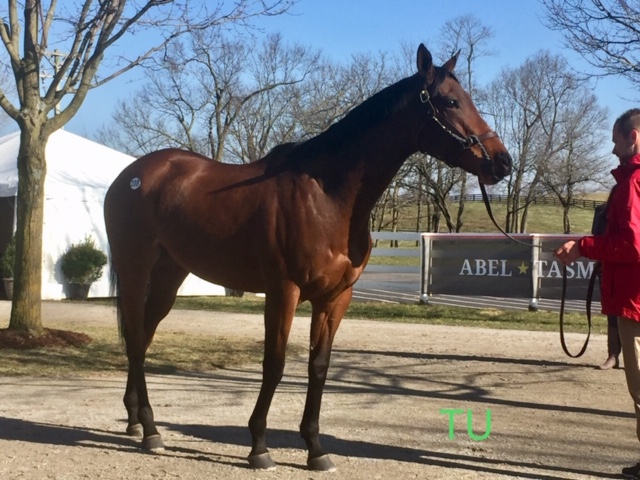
(454, 133)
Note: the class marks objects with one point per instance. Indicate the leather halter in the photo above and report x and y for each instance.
(464, 142)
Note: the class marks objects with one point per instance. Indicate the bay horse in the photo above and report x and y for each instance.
(294, 225)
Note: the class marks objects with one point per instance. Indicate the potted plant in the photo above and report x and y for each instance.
(7, 265)
(82, 264)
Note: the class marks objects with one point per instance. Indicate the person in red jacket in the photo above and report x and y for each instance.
(618, 250)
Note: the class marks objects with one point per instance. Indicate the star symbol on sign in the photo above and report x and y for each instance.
(523, 268)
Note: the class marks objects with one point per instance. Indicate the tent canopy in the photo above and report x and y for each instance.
(76, 167)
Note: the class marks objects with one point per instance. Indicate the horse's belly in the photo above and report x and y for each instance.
(227, 272)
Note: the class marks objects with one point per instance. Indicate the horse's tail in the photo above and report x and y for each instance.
(114, 292)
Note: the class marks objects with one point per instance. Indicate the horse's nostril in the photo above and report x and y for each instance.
(504, 163)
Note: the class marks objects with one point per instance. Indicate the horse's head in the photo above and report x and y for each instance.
(454, 131)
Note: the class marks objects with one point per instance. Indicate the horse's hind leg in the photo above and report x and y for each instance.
(164, 280)
(325, 320)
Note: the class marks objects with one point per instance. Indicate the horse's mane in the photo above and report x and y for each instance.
(359, 120)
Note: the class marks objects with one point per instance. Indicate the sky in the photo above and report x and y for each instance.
(341, 28)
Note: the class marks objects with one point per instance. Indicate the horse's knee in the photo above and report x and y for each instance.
(273, 369)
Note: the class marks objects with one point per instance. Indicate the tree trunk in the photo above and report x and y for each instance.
(419, 214)
(26, 307)
(566, 220)
(461, 203)
(395, 212)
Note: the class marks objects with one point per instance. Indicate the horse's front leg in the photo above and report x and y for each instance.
(134, 427)
(280, 306)
(325, 321)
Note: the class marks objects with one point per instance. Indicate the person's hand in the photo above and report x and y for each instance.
(569, 252)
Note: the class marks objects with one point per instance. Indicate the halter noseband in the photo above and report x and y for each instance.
(464, 142)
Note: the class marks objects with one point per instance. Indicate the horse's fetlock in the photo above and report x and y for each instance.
(310, 430)
(257, 426)
(146, 415)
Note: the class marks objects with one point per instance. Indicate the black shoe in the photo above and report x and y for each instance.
(632, 472)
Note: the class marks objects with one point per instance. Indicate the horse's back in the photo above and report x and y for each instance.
(158, 168)
(169, 165)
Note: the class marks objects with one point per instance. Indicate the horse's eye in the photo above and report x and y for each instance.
(451, 103)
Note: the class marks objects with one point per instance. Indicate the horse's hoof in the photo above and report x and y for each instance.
(135, 430)
(321, 464)
(153, 443)
(261, 461)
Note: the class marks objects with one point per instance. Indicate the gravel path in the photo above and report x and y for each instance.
(551, 417)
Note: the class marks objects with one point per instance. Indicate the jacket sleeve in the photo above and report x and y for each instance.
(621, 241)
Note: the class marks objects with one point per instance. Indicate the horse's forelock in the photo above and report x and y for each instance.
(441, 76)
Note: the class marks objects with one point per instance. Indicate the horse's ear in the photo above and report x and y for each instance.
(451, 63)
(425, 64)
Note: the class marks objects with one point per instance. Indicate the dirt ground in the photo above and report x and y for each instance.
(552, 417)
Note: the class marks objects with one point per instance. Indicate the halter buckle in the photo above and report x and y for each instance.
(426, 99)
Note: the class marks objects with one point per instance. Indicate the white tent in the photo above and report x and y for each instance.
(79, 173)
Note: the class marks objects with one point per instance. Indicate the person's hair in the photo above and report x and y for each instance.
(629, 120)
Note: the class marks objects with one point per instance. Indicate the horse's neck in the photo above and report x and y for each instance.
(372, 164)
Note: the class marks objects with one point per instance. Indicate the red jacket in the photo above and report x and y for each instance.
(619, 248)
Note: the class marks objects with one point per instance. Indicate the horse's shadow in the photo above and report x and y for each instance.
(14, 429)
(288, 439)
(114, 440)
(453, 357)
(50, 434)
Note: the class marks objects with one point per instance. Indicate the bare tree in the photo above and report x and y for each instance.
(206, 95)
(441, 182)
(271, 118)
(604, 33)
(539, 108)
(579, 165)
(9, 89)
(85, 31)
(469, 36)
(334, 89)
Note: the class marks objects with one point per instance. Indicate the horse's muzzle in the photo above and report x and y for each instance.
(500, 167)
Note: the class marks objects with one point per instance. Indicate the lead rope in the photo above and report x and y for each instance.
(592, 282)
(594, 274)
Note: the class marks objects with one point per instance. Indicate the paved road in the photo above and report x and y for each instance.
(405, 288)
